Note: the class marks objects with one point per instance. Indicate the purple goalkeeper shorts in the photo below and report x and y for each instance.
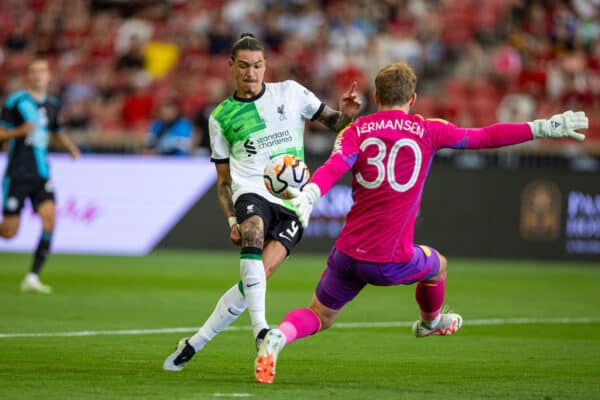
(345, 276)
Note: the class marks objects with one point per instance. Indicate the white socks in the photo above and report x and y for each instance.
(228, 309)
(255, 286)
(233, 302)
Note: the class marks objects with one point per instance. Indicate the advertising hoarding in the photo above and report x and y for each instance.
(115, 204)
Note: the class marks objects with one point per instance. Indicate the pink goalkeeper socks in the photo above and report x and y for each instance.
(430, 297)
(299, 323)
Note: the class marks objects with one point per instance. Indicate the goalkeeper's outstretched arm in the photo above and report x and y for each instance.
(563, 125)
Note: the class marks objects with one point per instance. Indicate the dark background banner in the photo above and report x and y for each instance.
(542, 213)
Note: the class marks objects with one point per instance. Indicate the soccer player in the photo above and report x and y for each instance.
(29, 117)
(261, 120)
(390, 153)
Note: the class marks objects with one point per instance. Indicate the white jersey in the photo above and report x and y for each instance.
(248, 132)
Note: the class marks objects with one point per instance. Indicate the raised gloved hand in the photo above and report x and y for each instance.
(304, 201)
(560, 126)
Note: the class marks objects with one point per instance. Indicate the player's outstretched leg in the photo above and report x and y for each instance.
(297, 324)
(177, 360)
(228, 309)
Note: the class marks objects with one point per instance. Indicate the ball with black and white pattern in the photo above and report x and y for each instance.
(284, 171)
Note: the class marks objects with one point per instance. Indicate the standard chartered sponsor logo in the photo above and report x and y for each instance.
(274, 139)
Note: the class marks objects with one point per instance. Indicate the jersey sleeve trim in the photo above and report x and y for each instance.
(443, 121)
(219, 161)
(319, 112)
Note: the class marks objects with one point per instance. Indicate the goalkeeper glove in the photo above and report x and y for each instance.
(304, 201)
(560, 126)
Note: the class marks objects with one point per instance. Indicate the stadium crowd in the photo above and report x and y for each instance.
(115, 62)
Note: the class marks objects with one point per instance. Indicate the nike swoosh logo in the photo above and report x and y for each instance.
(231, 312)
(253, 284)
(236, 130)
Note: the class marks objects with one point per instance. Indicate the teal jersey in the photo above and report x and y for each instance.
(248, 132)
(28, 156)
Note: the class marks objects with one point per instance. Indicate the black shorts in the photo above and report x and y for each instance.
(14, 194)
(280, 223)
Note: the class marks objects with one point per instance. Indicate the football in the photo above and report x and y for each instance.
(285, 171)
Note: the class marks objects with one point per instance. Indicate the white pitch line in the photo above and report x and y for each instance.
(341, 325)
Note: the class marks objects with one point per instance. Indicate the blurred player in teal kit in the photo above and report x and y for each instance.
(29, 116)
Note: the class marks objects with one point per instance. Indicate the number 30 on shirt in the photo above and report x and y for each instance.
(388, 171)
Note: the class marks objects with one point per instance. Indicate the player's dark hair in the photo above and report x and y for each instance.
(395, 84)
(247, 41)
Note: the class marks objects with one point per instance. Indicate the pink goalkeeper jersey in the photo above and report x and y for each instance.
(390, 153)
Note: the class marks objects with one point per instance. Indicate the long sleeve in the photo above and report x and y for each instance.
(445, 134)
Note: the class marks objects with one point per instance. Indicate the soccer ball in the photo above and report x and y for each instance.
(285, 171)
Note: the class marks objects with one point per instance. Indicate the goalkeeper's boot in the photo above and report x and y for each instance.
(449, 324)
(177, 360)
(32, 283)
(266, 359)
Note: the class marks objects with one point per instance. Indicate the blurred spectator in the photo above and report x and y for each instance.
(244, 16)
(132, 31)
(133, 58)
(18, 39)
(220, 37)
(170, 133)
(349, 33)
(77, 97)
(215, 94)
(137, 107)
(389, 46)
(516, 107)
(160, 58)
(115, 62)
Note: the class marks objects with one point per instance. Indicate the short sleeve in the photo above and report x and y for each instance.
(28, 111)
(219, 145)
(310, 105)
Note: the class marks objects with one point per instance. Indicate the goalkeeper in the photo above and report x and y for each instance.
(389, 153)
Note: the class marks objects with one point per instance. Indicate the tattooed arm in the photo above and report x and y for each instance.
(333, 119)
(225, 196)
(349, 108)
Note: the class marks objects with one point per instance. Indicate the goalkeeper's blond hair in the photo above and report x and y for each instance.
(395, 84)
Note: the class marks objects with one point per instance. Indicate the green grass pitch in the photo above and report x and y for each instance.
(499, 360)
